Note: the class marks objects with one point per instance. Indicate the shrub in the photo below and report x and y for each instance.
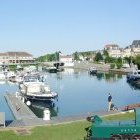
(112, 66)
(119, 65)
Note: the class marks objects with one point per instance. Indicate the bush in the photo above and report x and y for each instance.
(12, 67)
(112, 66)
(119, 65)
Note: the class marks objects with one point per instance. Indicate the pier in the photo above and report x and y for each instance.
(25, 117)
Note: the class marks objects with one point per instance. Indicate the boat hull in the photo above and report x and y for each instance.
(38, 98)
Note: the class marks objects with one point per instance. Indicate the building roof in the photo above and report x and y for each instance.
(136, 43)
(112, 46)
(19, 54)
(65, 56)
(2, 54)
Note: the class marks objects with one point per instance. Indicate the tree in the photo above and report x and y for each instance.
(98, 57)
(76, 56)
(119, 60)
(127, 59)
(109, 59)
(105, 53)
(57, 55)
(137, 61)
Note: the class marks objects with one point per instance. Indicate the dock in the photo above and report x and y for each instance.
(25, 117)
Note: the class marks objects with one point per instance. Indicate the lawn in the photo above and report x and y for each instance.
(71, 131)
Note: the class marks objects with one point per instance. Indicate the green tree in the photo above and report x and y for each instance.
(110, 59)
(127, 59)
(76, 56)
(137, 61)
(119, 60)
(57, 55)
(98, 57)
(105, 53)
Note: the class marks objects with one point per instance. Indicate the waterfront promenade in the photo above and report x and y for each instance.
(25, 117)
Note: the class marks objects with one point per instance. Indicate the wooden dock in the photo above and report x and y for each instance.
(18, 108)
(25, 117)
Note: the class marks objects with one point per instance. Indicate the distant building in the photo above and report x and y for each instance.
(113, 50)
(127, 51)
(132, 50)
(136, 44)
(66, 59)
(10, 58)
(136, 51)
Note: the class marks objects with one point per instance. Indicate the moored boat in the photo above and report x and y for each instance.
(34, 88)
(51, 69)
(134, 76)
(37, 91)
(92, 70)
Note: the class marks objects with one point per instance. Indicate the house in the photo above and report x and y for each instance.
(10, 58)
(127, 51)
(66, 59)
(113, 50)
(132, 50)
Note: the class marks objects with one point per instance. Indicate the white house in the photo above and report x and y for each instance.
(67, 60)
(113, 50)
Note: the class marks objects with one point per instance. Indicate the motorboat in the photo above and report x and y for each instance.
(29, 78)
(134, 76)
(16, 78)
(51, 69)
(37, 91)
(34, 88)
(92, 70)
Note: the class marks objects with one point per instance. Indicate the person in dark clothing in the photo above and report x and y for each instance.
(109, 101)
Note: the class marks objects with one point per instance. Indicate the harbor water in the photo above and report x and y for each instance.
(78, 93)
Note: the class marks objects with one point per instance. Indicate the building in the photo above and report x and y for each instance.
(136, 44)
(132, 50)
(127, 51)
(113, 50)
(10, 58)
(66, 59)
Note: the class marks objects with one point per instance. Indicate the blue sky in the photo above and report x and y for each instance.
(46, 26)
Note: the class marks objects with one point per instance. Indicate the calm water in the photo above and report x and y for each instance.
(80, 92)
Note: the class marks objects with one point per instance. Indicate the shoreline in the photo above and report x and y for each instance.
(100, 67)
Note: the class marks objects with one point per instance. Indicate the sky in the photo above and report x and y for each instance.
(46, 26)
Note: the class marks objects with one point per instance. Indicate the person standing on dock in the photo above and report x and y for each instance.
(109, 101)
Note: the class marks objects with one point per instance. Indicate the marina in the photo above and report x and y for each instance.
(78, 96)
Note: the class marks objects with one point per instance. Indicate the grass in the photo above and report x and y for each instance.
(71, 131)
(125, 116)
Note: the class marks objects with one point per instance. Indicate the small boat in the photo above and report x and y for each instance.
(134, 76)
(51, 69)
(17, 79)
(92, 70)
(54, 69)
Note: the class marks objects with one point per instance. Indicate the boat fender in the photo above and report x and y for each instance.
(28, 103)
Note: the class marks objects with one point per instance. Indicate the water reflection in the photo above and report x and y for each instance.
(38, 108)
(78, 92)
(109, 77)
(134, 86)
